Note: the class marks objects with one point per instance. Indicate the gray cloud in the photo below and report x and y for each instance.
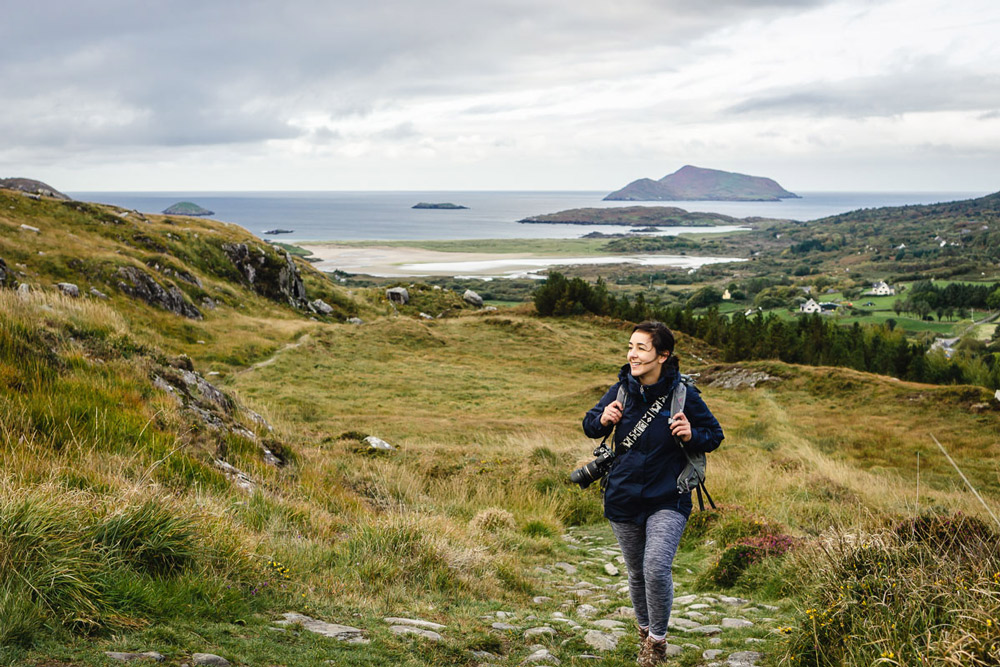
(931, 88)
(114, 72)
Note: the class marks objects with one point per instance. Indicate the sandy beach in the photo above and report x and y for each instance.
(401, 261)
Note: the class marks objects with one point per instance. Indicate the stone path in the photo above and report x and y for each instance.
(589, 600)
(586, 614)
(583, 615)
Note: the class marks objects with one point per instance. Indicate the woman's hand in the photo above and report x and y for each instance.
(681, 428)
(612, 413)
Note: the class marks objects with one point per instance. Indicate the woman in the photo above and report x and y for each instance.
(641, 499)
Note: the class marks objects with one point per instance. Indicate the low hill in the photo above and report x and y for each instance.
(31, 186)
(958, 238)
(697, 183)
(633, 216)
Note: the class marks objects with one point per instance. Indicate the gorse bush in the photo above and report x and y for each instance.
(910, 601)
(746, 552)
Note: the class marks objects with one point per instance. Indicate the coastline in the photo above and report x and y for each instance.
(410, 261)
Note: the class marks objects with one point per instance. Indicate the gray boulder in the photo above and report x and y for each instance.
(378, 444)
(398, 295)
(140, 285)
(69, 289)
(321, 307)
(472, 298)
(98, 293)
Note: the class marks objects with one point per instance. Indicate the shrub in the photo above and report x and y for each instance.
(749, 550)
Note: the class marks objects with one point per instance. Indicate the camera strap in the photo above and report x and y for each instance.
(643, 423)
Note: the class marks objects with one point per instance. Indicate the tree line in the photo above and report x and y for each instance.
(808, 339)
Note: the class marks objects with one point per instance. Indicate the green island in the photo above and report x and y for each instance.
(186, 470)
(187, 208)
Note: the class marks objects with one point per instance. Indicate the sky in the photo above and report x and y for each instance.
(219, 95)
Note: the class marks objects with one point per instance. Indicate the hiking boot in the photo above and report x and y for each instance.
(652, 652)
(643, 633)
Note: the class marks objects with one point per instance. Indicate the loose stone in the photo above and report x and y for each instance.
(601, 641)
(734, 623)
(682, 623)
(686, 599)
(609, 624)
(209, 659)
(541, 599)
(743, 659)
(342, 632)
(410, 630)
(543, 630)
(129, 657)
(706, 630)
(504, 626)
(586, 611)
(735, 602)
(541, 655)
(566, 567)
(711, 654)
(611, 569)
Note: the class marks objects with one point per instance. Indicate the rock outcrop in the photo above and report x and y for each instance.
(140, 285)
(6, 276)
(274, 277)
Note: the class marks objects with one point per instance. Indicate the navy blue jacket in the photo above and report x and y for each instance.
(643, 479)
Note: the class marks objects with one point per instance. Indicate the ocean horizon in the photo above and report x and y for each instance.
(388, 215)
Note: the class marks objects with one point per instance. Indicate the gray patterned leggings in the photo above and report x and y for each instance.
(649, 553)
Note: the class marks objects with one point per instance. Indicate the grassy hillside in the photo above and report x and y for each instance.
(146, 505)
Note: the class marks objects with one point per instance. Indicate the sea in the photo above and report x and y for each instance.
(384, 216)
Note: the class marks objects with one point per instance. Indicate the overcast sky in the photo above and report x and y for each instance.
(499, 94)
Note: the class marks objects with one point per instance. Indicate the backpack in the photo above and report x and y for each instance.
(692, 477)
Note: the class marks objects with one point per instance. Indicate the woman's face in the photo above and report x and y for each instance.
(643, 360)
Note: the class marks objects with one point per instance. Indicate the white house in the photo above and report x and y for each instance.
(882, 289)
(810, 306)
(726, 296)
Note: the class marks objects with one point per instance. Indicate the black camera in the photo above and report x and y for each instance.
(596, 469)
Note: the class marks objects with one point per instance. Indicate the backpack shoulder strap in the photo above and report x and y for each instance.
(679, 397)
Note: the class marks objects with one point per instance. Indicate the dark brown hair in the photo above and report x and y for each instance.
(662, 338)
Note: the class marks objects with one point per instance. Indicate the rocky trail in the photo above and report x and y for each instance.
(581, 616)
